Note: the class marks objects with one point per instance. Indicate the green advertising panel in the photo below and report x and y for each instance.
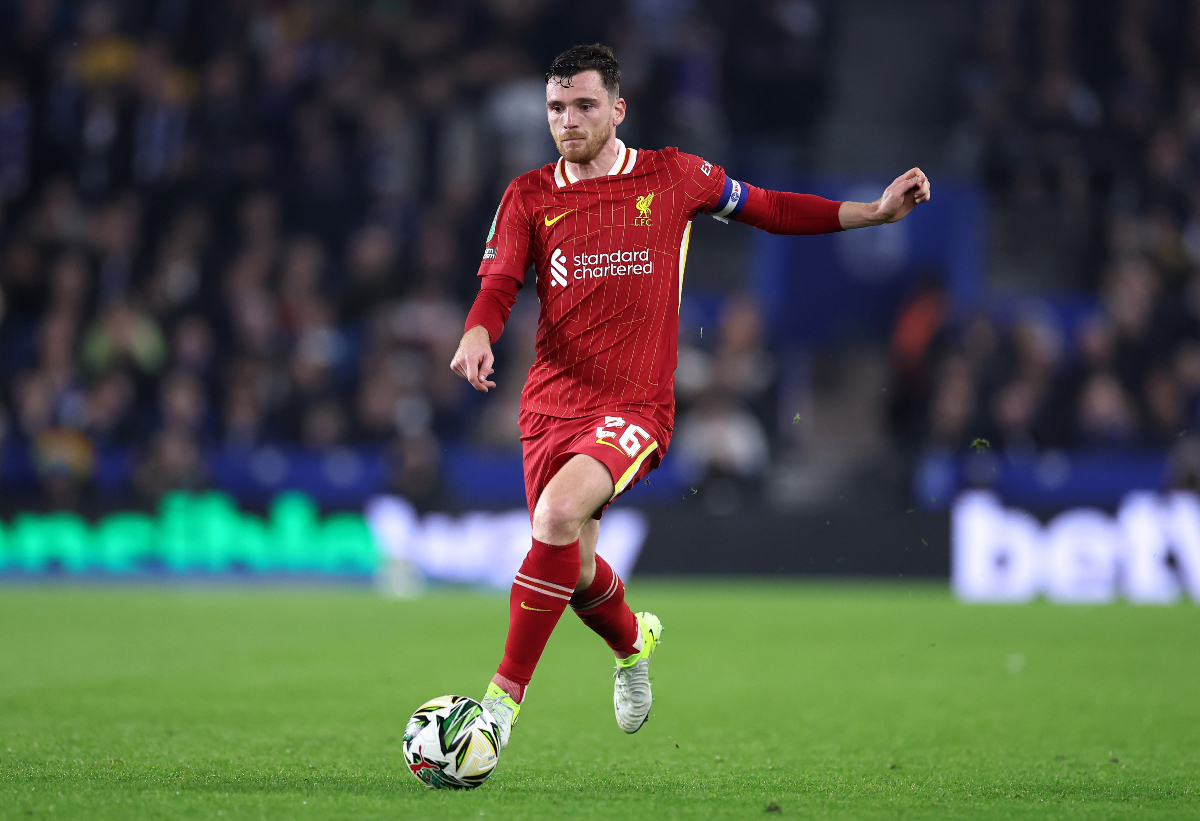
(193, 533)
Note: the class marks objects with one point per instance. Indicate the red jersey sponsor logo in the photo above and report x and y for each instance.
(558, 267)
(611, 264)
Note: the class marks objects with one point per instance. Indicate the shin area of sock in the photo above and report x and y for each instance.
(602, 607)
(540, 592)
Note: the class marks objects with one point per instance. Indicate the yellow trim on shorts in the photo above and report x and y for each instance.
(633, 469)
(611, 445)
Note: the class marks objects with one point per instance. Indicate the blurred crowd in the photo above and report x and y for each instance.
(232, 223)
(1089, 109)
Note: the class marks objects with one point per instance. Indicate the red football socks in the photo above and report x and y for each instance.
(539, 596)
(602, 607)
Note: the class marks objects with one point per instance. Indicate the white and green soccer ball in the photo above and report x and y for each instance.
(451, 741)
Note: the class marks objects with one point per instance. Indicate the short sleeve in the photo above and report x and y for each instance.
(704, 180)
(508, 248)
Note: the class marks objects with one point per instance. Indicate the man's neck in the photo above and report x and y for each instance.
(600, 165)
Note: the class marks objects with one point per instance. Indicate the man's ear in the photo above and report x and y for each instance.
(619, 111)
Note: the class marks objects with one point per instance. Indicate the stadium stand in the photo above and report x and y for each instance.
(1081, 121)
(237, 240)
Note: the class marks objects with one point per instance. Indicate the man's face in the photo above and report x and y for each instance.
(582, 115)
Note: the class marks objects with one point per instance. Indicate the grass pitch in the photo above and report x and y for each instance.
(825, 701)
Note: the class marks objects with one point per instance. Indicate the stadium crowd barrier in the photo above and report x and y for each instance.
(761, 540)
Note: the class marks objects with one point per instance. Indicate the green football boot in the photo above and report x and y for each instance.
(503, 709)
(631, 693)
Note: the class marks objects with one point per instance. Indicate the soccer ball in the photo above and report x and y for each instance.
(451, 741)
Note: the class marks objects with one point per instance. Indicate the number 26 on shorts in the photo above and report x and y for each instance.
(631, 438)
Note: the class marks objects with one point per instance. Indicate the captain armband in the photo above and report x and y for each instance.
(733, 199)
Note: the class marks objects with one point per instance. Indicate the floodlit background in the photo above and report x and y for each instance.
(238, 241)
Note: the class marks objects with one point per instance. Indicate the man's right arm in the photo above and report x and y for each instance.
(506, 256)
(473, 360)
(493, 304)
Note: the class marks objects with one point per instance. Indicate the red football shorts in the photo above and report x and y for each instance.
(629, 446)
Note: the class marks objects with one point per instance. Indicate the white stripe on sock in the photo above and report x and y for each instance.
(540, 590)
(547, 584)
(603, 597)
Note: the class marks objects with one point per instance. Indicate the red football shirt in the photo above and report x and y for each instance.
(610, 255)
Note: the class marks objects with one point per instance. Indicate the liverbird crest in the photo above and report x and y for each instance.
(643, 207)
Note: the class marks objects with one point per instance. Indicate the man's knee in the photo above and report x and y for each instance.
(558, 515)
(571, 497)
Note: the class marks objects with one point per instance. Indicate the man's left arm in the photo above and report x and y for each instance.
(905, 193)
(782, 212)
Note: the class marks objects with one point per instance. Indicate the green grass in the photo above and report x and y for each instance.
(833, 701)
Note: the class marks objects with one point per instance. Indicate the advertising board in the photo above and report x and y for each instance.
(479, 548)
(1148, 552)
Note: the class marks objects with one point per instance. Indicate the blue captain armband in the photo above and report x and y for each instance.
(733, 199)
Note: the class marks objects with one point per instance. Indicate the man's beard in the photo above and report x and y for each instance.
(593, 144)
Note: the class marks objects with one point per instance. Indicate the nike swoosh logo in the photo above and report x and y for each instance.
(550, 222)
(524, 606)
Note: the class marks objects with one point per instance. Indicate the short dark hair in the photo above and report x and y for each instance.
(578, 59)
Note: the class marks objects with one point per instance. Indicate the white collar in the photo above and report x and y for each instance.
(626, 159)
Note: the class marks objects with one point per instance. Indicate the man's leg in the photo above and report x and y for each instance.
(600, 604)
(550, 573)
(599, 598)
(589, 535)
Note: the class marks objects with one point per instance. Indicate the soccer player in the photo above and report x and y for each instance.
(606, 228)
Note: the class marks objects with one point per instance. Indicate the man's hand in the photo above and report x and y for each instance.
(473, 360)
(907, 192)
